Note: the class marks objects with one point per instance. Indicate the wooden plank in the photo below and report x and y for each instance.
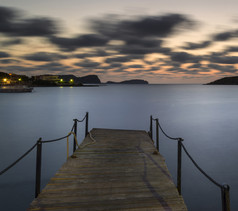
(121, 170)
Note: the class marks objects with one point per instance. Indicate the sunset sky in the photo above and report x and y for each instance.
(172, 41)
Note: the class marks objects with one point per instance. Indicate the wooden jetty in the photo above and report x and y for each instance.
(112, 170)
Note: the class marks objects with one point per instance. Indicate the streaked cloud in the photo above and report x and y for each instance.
(13, 23)
(194, 46)
(4, 54)
(44, 56)
(80, 41)
(114, 45)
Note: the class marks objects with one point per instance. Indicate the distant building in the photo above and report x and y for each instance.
(5, 81)
(54, 78)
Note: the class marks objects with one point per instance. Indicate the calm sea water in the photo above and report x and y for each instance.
(205, 116)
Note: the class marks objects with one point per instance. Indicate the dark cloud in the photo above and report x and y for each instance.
(223, 69)
(197, 65)
(7, 17)
(146, 43)
(232, 49)
(44, 57)
(11, 42)
(4, 54)
(98, 53)
(17, 68)
(45, 69)
(183, 70)
(135, 66)
(52, 66)
(14, 24)
(148, 26)
(183, 57)
(87, 64)
(118, 59)
(224, 59)
(84, 55)
(115, 65)
(224, 36)
(81, 41)
(120, 70)
(101, 53)
(152, 69)
(140, 35)
(36, 27)
(219, 54)
(194, 46)
(8, 61)
(141, 46)
(137, 50)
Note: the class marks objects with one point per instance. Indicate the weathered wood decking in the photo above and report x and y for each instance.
(120, 171)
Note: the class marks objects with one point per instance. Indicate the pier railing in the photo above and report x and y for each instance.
(38, 145)
(225, 189)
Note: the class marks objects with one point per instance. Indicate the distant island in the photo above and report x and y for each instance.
(58, 80)
(225, 81)
(134, 81)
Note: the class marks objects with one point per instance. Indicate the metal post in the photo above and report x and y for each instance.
(157, 134)
(86, 125)
(151, 127)
(179, 166)
(225, 195)
(38, 167)
(75, 132)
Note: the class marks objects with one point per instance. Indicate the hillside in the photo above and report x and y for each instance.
(134, 81)
(89, 79)
(49, 80)
(63, 80)
(225, 81)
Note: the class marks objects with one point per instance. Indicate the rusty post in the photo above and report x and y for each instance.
(225, 195)
(75, 132)
(38, 167)
(179, 166)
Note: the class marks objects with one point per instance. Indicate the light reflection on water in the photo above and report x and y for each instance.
(205, 116)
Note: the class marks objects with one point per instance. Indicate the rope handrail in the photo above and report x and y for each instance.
(28, 151)
(81, 119)
(19, 159)
(38, 145)
(224, 187)
(200, 169)
(190, 157)
(177, 139)
(58, 139)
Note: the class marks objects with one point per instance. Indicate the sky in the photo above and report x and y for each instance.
(172, 41)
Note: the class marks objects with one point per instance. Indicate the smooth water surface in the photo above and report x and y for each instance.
(204, 116)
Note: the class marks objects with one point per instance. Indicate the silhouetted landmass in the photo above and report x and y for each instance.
(3, 75)
(49, 80)
(61, 80)
(134, 81)
(89, 79)
(43, 83)
(225, 81)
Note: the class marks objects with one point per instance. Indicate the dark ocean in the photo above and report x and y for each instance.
(206, 117)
